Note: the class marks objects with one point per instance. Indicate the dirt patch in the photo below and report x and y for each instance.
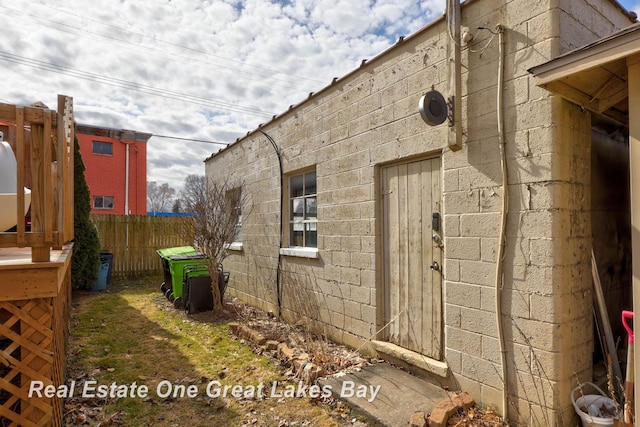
(332, 358)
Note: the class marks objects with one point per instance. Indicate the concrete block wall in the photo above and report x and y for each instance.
(547, 283)
(355, 124)
(253, 278)
(368, 119)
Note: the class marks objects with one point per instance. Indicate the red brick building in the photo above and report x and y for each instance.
(116, 169)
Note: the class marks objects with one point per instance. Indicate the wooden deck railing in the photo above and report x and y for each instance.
(44, 141)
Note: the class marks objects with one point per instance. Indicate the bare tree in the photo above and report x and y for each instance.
(159, 196)
(193, 185)
(218, 210)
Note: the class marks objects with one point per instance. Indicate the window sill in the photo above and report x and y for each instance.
(234, 246)
(300, 252)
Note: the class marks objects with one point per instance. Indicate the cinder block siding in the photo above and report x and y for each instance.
(370, 118)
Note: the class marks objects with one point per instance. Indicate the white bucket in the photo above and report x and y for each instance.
(592, 402)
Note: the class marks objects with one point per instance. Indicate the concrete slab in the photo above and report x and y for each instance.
(400, 394)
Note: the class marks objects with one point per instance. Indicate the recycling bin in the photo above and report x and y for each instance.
(101, 283)
(164, 258)
(107, 257)
(174, 260)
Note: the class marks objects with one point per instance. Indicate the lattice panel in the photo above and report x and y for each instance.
(61, 312)
(26, 354)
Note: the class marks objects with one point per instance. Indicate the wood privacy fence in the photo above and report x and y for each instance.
(133, 240)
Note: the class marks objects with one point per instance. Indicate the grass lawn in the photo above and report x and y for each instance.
(129, 337)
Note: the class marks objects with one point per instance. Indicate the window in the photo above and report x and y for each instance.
(234, 201)
(303, 210)
(103, 202)
(101, 147)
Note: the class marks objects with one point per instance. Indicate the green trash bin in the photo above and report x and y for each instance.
(164, 258)
(174, 261)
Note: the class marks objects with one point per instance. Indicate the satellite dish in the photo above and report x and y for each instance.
(433, 108)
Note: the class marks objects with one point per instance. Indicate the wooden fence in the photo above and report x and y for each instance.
(133, 240)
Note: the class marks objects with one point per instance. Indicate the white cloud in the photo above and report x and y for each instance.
(203, 69)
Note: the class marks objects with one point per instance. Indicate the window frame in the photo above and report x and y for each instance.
(102, 144)
(234, 199)
(93, 204)
(306, 201)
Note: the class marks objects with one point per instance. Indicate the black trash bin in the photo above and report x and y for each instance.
(197, 289)
(107, 257)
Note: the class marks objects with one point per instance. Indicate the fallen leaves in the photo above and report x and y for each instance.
(476, 417)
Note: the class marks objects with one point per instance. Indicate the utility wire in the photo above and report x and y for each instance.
(257, 76)
(124, 84)
(191, 139)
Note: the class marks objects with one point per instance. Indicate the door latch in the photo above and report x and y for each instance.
(437, 240)
(435, 266)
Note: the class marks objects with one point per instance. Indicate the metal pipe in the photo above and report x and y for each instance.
(503, 220)
(126, 177)
(453, 20)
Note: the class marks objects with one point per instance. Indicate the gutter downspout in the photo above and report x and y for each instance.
(503, 221)
(279, 266)
(126, 189)
(455, 126)
(126, 183)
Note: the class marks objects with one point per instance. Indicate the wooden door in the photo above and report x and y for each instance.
(412, 256)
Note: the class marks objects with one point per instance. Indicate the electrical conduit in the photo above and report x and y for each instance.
(279, 266)
(503, 220)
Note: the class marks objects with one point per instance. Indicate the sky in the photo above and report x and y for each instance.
(192, 70)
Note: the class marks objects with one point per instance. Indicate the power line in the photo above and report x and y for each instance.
(260, 77)
(124, 84)
(191, 139)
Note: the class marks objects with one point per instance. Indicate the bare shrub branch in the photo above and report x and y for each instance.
(217, 211)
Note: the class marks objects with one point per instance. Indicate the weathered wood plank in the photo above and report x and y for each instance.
(403, 255)
(391, 247)
(426, 243)
(436, 318)
(415, 257)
